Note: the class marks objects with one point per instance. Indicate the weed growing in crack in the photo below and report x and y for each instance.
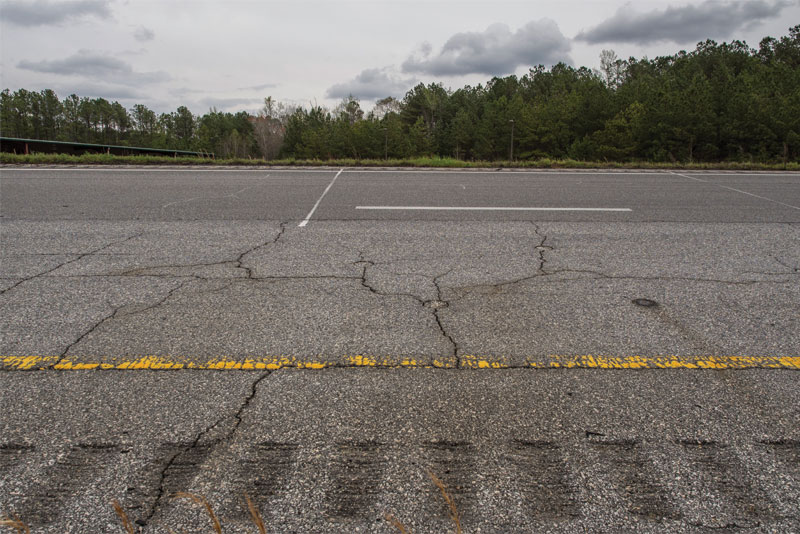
(255, 515)
(202, 501)
(16, 524)
(126, 522)
(396, 524)
(451, 504)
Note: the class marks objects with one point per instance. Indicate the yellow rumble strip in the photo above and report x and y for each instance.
(75, 363)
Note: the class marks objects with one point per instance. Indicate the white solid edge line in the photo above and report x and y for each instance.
(738, 191)
(145, 169)
(689, 177)
(310, 213)
(483, 208)
(738, 173)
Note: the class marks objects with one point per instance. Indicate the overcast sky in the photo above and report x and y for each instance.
(231, 54)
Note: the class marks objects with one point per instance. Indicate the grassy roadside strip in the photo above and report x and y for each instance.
(435, 162)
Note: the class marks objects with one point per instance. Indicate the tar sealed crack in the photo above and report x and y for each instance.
(541, 248)
(238, 262)
(435, 305)
(186, 454)
(436, 310)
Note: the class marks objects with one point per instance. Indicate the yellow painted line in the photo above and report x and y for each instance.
(32, 363)
(667, 362)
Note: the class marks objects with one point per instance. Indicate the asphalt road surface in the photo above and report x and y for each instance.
(566, 351)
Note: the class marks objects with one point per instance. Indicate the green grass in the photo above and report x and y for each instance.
(428, 162)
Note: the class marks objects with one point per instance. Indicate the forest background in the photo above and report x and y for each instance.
(723, 102)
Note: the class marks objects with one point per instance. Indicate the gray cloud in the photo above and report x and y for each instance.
(47, 12)
(496, 51)
(95, 90)
(371, 84)
(685, 24)
(94, 66)
(143, 34)
(258, 87)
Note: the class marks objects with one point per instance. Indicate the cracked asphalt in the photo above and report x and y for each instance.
(102, 266)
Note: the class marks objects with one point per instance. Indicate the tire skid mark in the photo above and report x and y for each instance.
(787, 452)
(180, 463)
(66, 479)
(262, 474)
(786, 456)
(714, 466)
(627, 467)
(454, 463)
(357, 473)
(11, 455)
(542, 474)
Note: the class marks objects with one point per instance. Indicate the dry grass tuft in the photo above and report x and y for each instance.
(199, 499)
(126, 523)
(396, 524)
(255, 515)
(451, 504)
(16, 524)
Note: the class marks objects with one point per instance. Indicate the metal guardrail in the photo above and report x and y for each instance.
(30, 146)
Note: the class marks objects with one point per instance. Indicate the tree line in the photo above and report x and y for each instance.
(719, 102)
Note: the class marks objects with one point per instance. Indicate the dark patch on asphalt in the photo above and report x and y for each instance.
(787, 452)
(645, 303)
(543, 477)
(65, 480)
(11, 455)
(356, 475)
(454, 463)
(719, 476)
(177, 464)
(261, 474)
(627, 466)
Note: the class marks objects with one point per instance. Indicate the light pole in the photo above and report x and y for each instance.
(385, 143)
(511, 147)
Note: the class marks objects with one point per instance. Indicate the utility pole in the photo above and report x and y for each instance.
(386, 143)
(511, 148)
